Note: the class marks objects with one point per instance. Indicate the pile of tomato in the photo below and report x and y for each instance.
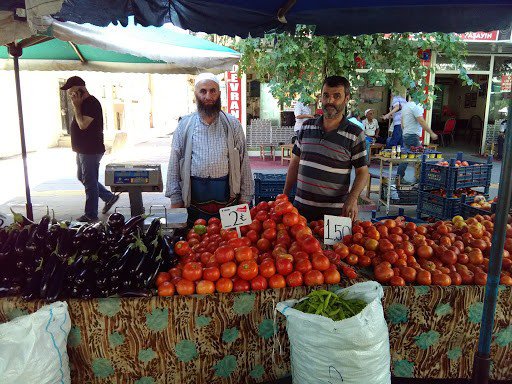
(444, 253)
(278, 249)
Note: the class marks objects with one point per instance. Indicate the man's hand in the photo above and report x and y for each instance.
(434, 136)
(350, 208)
(177, 205)
(76, 99)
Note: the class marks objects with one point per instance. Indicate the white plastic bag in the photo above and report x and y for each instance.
(350, 351)
(33, 347)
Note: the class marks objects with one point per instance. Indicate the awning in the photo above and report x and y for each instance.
(331, 17)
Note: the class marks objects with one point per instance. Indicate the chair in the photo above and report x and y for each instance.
(476, 128)
(449, 129)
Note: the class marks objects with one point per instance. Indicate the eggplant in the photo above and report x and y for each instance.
(31, 290)
(153, 231)
(20, 219)
(139, 293)
(115, 222)
(170, 259)
(8, 255)
(56, 284)
(133, 225)
(3, 236)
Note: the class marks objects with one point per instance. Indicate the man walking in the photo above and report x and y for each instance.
(87, 141)
(209, 166)
(412, 125)
(323, 157)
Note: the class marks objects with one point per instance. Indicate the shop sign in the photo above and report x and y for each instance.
(506, 83)
(234, 93)
(479, 36)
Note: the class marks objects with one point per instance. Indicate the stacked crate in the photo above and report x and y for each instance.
(268, 186)
(450, 178)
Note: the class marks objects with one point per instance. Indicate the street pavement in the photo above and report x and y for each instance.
(52, 176)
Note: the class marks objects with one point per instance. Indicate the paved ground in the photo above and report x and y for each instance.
(52, 175)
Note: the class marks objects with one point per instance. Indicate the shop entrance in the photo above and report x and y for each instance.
(461, 107)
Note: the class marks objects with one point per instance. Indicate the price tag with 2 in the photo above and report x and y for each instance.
(335, 227)
(235, 217)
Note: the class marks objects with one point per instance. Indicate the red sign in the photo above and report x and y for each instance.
(234, 94)
(479, 36)
(506, 83)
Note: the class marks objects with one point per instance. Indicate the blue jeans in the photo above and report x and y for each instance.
(396, 137)
(409, 140)
(88, 172)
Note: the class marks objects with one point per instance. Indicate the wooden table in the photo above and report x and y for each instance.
(375, 148)
(263, 148)
(286, 152)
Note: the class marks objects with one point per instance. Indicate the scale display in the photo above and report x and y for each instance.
(131, 177)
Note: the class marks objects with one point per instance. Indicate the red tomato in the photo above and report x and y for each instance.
(314, 277)
(211, 274)
(175, 272)
(449, 257)
(166, 288)
(425, 251)
(269, 234)
(224, 254)
(252, 235)
(384, 274)
(385, 245)
(247, 270)
(255, 225)
(342, 250)
(476, 257)
(228, 269)
(182, 248)
(192, 271)
(284, 266)
(480, 278)
(261, 216)
(185, 287)
(214, 220)
(205, 287)
(408, 274)
(320, 262)
(303, 266)
(364, 261)
(352, 259)
(224, 285)
(332, 276)
(236, 242)
(282, 208)
(162, 277)
(290, 219)
(243, 253)
(267, 268)
(424, 277)
(240, 285)
(397, 281)
(349, 272)
(441, 279)
(263, 245)
(311, 245)
(259, 283)
(455, 278)
(277, 281)
(294, 279)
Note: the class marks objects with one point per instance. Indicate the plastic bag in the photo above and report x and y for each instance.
(350, 351)
(33, 347)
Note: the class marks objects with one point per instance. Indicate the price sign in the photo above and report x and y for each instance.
(335, 227)
(235, 217)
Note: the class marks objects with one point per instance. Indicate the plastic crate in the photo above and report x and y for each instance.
(268, 186)
(400, 213)
(467, 211)
(401, 194)
(452, 178)
(437, 206)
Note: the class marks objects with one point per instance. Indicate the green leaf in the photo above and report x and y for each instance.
(74, 337)
(102, 368)
(475, 312)
(266, 329)
(257, 372)
(158, 319)
(115, 339)
(427, 339)
(504, 337)
(186, 351)
(229, 335)
(454, 353)
(109, 306)
(226, 366)
(443, 309)
(403, 368)
(146, 355)
(202, 321)
(145, 380)
(244, 303)
(397, 313)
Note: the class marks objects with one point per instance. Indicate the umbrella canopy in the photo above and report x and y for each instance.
(123, 49)
(331, 17)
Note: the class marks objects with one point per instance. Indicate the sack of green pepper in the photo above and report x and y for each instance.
(339, 337)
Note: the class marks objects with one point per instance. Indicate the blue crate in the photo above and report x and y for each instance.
(268, 186)
(401, 194)
(452, 178)
(468, 211)
(442, 208)
(400, 213)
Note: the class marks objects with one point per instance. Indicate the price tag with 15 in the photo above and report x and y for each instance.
(335, 227)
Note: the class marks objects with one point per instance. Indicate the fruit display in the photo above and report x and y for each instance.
(278, 249)
(480, 202)
(444, 253)
(52, 260)
(458, 163)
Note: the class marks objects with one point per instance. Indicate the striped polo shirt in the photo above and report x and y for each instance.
(326, 161)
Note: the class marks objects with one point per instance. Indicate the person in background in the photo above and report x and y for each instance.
(371, 125)
(87, 141)
(412, 125)
(501, 139)
(208, 166)
(396, 126)
(354, 118)
(302, 113)
(324, 154)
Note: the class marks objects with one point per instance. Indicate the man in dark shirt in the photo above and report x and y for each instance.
(324, 154)
(87, 141)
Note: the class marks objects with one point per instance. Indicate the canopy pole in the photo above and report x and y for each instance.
(482, 360)
(16, 51)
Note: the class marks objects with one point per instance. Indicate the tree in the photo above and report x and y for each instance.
(297, 64)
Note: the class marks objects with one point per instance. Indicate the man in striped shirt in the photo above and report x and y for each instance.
(324, 154)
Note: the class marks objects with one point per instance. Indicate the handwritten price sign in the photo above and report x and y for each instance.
(335, 227)
(235, 217)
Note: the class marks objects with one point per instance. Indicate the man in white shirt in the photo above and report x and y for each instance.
(412, 125)
(302, 113)
(371, 125)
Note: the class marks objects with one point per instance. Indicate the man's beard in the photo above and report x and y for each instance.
(332, 114)
(208, 110)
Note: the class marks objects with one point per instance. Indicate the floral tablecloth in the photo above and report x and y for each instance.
(238, 338)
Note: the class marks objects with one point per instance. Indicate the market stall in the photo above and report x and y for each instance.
(433, 333)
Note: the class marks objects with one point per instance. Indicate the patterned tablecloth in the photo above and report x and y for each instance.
(238, 338)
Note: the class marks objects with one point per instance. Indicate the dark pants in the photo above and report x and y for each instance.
(88, 172)
(501, 142)
(396, 137)
(409, 140)
(208, 195)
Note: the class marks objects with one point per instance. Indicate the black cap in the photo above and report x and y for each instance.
(73, 82)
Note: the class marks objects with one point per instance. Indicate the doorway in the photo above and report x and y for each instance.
(466, 105)
(66, 109)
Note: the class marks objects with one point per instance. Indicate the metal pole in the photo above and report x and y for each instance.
(482, 359)
(15, 52)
